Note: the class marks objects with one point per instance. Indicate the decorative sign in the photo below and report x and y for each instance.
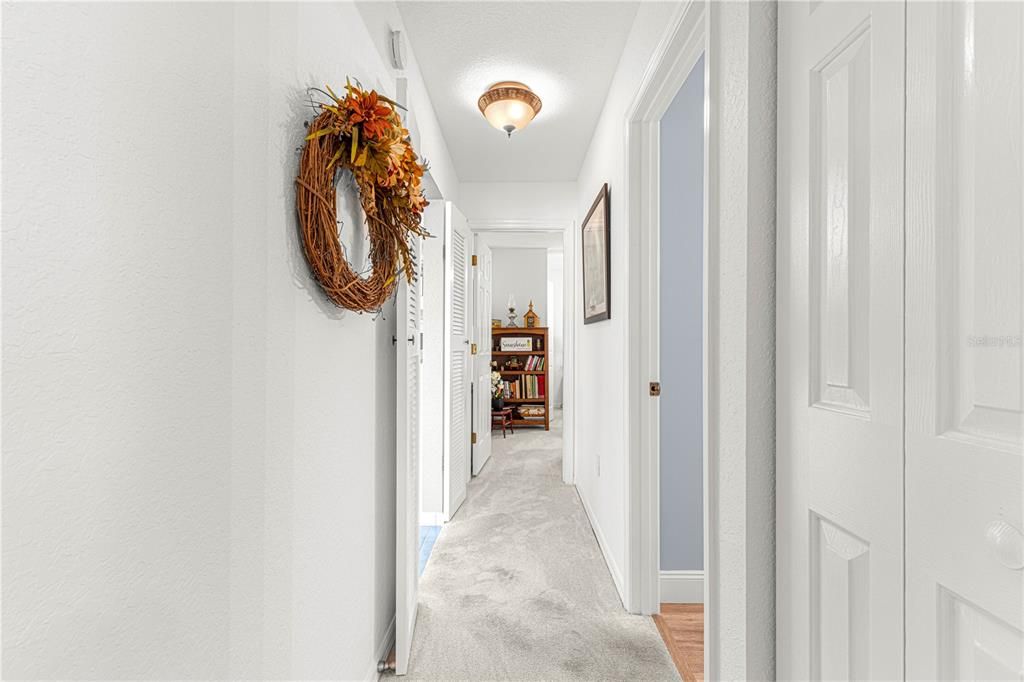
(516, 343)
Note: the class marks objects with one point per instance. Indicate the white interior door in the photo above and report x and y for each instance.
(407, 505)
(459, 369)
(965, 218)
(482, 338)
(840, 341)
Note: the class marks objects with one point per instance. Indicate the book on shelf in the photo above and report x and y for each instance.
(535, 363)
(527, 387)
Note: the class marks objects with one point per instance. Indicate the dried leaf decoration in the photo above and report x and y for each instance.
(363, 133)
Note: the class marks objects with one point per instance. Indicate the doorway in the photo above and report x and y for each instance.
(680, 384)
(527, 264)
(681, 378)
(670, 569)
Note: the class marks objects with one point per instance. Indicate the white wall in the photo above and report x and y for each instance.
(556, 322)
(601, 410)
(741, 234)
(381, 17)
(518, 201)
(190, 486)
(523, 273)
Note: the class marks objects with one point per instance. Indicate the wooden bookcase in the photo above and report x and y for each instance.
(539, 341)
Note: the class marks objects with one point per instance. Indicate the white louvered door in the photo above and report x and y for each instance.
(482, 360)
(840, 341)
(407, 472)
(459, 367)
(965, 371)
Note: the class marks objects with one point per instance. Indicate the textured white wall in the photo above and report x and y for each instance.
(741, 227)
(601, 437)
(522, 273)
(556, 322)
(190, 489)
(117, 299)
(516, 201)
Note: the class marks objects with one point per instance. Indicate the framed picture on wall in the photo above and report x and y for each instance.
(597, 260)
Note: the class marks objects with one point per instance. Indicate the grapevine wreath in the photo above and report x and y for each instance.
(361, 132)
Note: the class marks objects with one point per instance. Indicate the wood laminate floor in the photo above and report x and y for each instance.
(682, 628)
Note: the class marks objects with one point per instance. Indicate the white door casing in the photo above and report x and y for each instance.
(458, 366)
(965, 218)
(482, 278)
(407, 507)
(840, 341)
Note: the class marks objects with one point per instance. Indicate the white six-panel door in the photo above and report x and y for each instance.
(840, 341)
(965, 218)
(901, 545)
(459, 367)
(482, 361)
(407, 507)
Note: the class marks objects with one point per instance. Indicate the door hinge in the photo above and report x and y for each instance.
(474, 259)
(655, 388)
(472, 349)
(472, 438)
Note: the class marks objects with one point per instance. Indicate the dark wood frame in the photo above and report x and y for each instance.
(606, 195)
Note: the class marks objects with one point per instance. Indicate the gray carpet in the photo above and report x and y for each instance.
(517, 589)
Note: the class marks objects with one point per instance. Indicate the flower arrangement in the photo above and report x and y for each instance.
(496, 390)
(361, 132)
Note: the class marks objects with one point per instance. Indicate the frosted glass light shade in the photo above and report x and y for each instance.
(509, 106)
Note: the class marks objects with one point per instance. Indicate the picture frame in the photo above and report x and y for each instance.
(597, 259)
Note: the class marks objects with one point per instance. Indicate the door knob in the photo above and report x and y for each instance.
(1007, 543)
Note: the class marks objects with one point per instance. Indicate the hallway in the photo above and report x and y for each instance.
(516, 587)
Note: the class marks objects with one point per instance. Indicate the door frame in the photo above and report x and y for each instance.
(673, 64)
(540, 228)
(482, 341)
(738, 44)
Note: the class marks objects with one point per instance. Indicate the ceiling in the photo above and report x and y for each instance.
(566, 52)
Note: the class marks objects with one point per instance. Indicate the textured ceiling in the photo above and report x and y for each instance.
(565, 51)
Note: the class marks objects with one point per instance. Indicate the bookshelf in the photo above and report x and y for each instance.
(525, 374)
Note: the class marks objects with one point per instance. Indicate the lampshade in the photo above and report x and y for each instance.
(509, 106)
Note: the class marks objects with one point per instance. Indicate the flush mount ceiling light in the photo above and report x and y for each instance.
(509, 106)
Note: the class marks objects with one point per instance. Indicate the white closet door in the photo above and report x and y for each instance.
(965, 218)
(459, 368)
(407, 467)
(482, 393)
(840, 343)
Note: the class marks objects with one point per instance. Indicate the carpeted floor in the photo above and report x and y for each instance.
(516, 587)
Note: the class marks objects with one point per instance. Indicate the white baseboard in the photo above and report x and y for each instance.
(682, 587)
(383, 649)
(431, 519)
(613, 568)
